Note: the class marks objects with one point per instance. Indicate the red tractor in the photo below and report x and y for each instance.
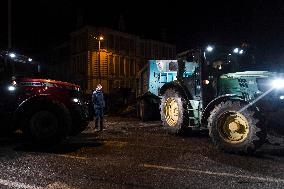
(44, 110)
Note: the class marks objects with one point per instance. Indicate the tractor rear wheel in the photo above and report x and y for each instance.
(174, 113)
(234, 129)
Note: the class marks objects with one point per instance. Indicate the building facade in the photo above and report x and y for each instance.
(113, 62)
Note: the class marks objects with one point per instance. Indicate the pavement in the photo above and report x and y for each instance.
(133, 154)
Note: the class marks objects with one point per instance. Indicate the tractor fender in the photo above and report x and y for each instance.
(178, 86)
(20, 110)
(214, 102)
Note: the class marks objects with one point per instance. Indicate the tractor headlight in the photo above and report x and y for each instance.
(278, 83)
(76, 100)
(11, 88)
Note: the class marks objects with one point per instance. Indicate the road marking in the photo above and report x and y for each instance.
(73, 157)
(13, 184)
(264, 179)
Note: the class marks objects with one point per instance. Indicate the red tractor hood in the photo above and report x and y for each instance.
(47, 83)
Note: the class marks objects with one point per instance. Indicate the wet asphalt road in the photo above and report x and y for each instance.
(132, 154)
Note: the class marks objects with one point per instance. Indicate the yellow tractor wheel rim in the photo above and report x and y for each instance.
(233, 127)
(171, 112)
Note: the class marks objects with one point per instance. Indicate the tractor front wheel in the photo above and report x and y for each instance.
(236, 129)
(47, 123)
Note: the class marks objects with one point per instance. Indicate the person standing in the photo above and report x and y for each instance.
(99, 105)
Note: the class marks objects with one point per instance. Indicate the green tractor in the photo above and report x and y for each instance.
(213, 91)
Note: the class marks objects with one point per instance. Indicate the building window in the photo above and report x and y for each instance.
(116, 65)
(124, 45)
(116, 84)
(121, 66)
(127, 69)
(111, 65)
(111, 85)
(132, 67)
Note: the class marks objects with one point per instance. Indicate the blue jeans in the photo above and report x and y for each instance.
(99, 114)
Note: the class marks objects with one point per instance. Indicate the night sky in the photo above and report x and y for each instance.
(39, 25)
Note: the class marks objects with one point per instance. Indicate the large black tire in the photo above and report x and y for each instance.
(174, 112)
(235, 131)
(47, 123)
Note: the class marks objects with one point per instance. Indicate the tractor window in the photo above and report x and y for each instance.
(190, 69)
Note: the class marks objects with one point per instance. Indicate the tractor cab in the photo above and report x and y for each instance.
(12, 67)
(16, 65)
(200, 70)
(189, 72)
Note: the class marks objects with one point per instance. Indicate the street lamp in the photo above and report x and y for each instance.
(100, 38)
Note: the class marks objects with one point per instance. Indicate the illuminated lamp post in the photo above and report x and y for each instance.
(100, 38)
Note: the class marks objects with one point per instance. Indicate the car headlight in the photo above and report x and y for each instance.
(278, 83)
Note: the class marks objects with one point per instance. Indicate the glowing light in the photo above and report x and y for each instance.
(209, 49)
(278, 83)
(12, 55)
(281, 97)
(241, 51)
(206, 82)
(100, 38)
(236, 50)
(76, 100)
(30, 59)
(11, 88)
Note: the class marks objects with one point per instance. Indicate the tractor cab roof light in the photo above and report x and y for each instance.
(209, 48)
(12, 55)
(236, 50)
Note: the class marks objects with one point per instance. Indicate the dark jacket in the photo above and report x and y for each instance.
(98, 99)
